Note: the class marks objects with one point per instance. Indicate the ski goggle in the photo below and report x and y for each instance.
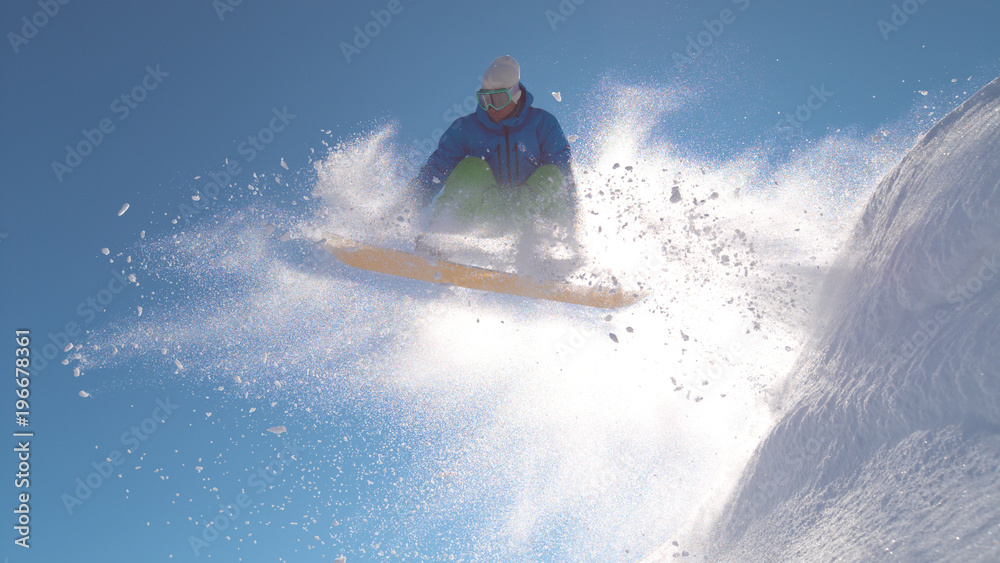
(496, 99)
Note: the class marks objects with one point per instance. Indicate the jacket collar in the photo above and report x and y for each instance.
(512, 122)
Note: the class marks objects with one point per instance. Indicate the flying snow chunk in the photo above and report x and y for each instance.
(76, 372)
(178, 364)
(269, 229)
(572, 138)
(340, 559)
(140, 310)
(142, 234)
(557, 96)
(123, 210)
(283, 165)
(924, 92)
(131, 278)
(84, 394)
(196, 197)
(277, 430)
(68, 347)
(105, 251)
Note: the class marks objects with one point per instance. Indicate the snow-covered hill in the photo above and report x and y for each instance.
(891, 448)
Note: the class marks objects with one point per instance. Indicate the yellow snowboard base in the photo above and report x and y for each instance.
(407, 265)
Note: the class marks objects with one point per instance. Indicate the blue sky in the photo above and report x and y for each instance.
(199, 80)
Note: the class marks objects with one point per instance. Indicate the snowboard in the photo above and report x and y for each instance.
(432, 270)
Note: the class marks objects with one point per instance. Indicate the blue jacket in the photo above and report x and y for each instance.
(514, 148)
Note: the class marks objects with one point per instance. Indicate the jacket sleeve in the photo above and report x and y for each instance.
(555, 149)
(452, 148)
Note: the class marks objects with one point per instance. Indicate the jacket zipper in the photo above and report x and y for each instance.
(499, 167)
(517, 163)
(506, 141)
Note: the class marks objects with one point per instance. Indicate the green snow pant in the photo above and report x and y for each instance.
(471, 198)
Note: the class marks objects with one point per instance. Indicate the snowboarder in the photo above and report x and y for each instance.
(506, 166)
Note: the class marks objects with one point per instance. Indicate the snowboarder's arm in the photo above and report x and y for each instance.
(451, 150)
(555, 149)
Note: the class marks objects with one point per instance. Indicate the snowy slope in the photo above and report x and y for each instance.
(888, 447)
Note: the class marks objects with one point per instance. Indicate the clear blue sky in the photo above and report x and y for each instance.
(207, 82)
